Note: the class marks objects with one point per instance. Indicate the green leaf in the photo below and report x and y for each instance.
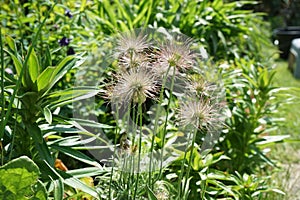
(76, 183)
(33, 66)
(110, 12)
(224, 187)
(76, 154)
(62, 68)
(64, 97)
(151, 194)
(17, 64)
(277, 191)
(223, 40)
(125, 13)
(58, 188)
(147, 6)
(43, 79)
(86, 172)
(70, 180)
(83, 4)
(19, 180)
(55, 178)
(11, 43)
(89, 123)
(40, 191)
(40, 143)
(48, 115)
(271, 139)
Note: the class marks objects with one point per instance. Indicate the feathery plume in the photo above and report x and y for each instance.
(201, 114)
(175, 54)
(134, 85)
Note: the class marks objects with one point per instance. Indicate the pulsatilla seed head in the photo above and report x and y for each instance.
(135, 85)
(201, 114)
(176, 54)
(130, 43)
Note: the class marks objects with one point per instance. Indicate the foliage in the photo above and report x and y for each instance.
(19, 180)
(43, 46)
(32, 104)
(226, 30)
(250, 95)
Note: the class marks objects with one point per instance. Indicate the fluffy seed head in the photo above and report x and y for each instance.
(201, 114)
(134, 60)
(176, 54)
(201, 88)
(134, 85)
(130, 43)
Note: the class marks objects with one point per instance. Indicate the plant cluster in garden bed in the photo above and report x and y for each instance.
(69, 96)
(163, 105)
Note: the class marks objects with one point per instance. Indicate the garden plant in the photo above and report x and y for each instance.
(136, 100)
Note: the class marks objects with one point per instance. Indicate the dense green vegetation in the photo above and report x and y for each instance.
(137, 100)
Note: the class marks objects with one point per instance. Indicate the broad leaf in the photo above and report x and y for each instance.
(19, 180)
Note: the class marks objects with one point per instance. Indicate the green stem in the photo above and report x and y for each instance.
(140, 116)
(115, 143)
(190, 159)
(166, 122)
(156, 121)
(131, 158)
(2, 153)
(13, 134)
(182, 169)
(2, 86)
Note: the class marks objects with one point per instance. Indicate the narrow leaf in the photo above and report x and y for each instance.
(11, 43)
(85, 172)
(17, 63)
(48, 115)
(58, 188)
(40, 143)
(151, 194)
(61, 69)
(76, 154)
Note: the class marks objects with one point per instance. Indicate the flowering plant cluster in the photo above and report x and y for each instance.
(159, 82)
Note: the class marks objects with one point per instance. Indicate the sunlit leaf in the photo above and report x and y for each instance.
(44, 77)
(48, 115)
(17, 177)
(34, 67)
